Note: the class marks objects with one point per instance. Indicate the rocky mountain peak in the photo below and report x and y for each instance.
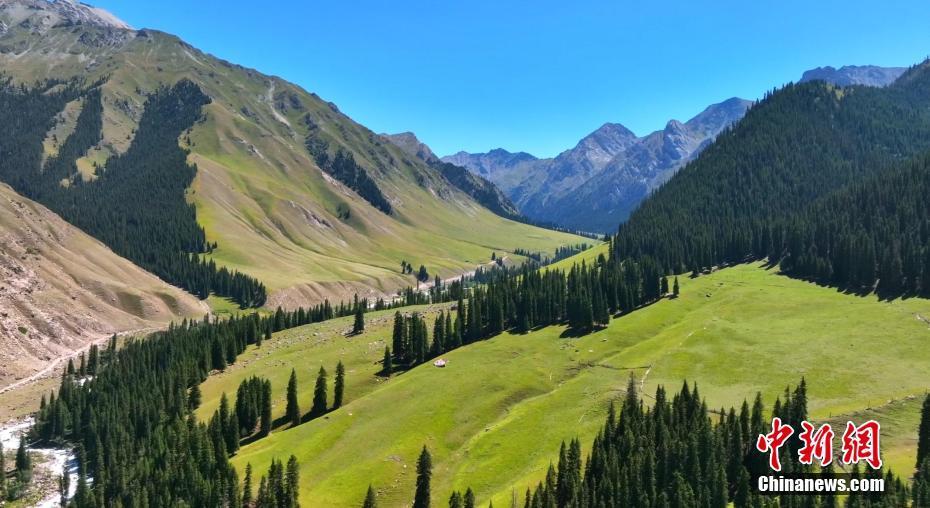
(409, 143)
(40, 15)
(847, 75)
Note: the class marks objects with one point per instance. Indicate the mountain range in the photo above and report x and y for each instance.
(595, 185)
(266, 193)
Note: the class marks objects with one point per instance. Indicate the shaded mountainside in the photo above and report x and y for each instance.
(847, 75)
(305, 231)
(797, 146)
(596, 184)
(482, 190)
(63, 290)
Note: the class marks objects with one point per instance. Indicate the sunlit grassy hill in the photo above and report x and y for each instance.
(494, 417)
(259, 193)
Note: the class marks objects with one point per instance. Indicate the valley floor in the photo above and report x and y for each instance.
(494, 417)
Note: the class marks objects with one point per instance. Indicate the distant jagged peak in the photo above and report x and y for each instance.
(847, 75)
(44, 14)
(717, 116)
(410, 144)
(608, 138)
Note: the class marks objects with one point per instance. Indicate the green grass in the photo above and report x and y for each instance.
(223, 307)
(588, 256)
(495, 416)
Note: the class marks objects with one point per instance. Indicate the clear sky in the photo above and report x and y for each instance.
(537, 75)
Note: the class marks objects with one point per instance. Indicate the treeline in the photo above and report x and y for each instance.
(410, 343)
(675, 453)
(137, 204)
(342, 167)
(561, 252)
(132, 416)
(520, 300)
(757, 190)
(875, 234)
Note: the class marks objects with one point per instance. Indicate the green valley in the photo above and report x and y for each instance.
(494, 416)
(221, 290)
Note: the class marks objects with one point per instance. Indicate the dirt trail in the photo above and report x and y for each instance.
(49, 369)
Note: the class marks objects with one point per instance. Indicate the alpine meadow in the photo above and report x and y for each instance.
(221, 289)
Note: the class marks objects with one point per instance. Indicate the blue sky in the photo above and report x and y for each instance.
(536, 75)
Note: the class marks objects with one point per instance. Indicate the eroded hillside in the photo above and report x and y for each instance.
(63, 290)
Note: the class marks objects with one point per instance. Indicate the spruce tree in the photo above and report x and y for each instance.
(292, 477)
(469, 499)
(675, 287)
(399, 339)
(64, 484)
(370, 500)
(193, 399)
(23, 460)
(387, 364)
(923, 433)
(228, 425)
(319, 395)
(247, 487)
(292, 413)
(265, 418)
(455, 500)
(421, 498)
(920, 491)
(339, 385)
(359, 325)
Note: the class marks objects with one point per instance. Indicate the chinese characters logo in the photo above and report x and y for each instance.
(860, 443)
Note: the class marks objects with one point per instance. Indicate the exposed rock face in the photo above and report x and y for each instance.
(42, 14)
(868, 75)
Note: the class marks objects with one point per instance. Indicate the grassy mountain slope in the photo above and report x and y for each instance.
(259, 193)
(63, 290)
(493, 418)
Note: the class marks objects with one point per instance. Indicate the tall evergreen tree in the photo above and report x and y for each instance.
(923, 433)
(247, 487)
(265, 418)
(387, 364)
(319, 395)
(469, 500)
(23, 459)
(370, 500)
(292, 412)
(339, 385)
(421, 498)
(359, 325)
